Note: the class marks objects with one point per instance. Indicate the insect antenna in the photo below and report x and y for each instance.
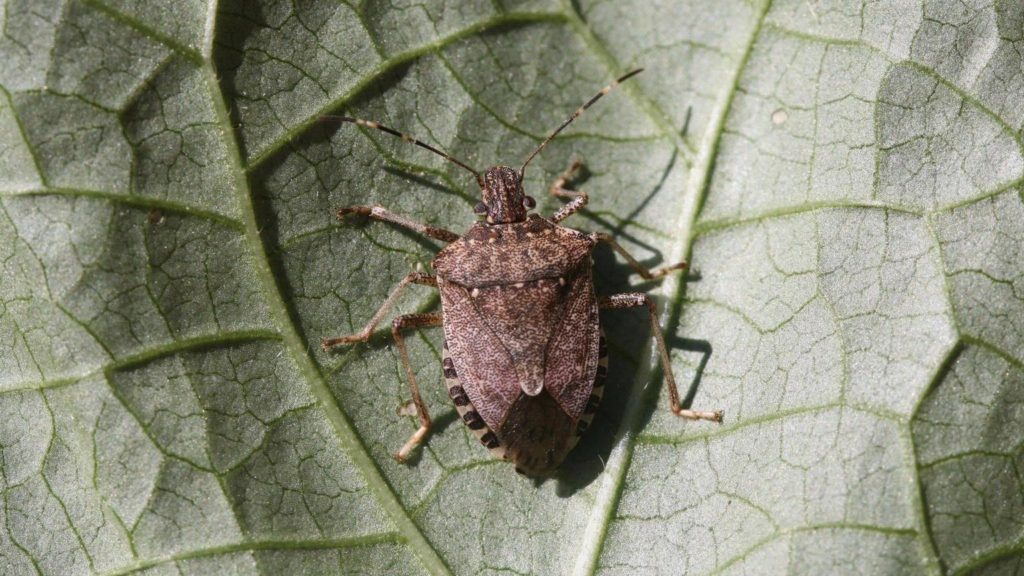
(579, 111)
(408, 138)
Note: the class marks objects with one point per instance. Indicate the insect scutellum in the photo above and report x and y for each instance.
(502, 187)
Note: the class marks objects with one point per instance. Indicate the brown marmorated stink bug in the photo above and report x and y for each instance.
(524, 355)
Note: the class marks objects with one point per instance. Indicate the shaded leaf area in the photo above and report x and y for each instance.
(845, 179)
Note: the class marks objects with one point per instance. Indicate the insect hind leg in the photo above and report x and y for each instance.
(407, 322)
(636, 300)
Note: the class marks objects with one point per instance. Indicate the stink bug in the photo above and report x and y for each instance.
(524, 354)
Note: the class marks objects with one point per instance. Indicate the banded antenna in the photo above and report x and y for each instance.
(579, 112)
(408, 138)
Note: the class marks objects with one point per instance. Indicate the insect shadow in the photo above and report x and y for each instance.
(619, 229)
(425, 182)
(628, 335)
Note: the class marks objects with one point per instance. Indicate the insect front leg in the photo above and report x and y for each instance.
(635, 300)
(404, 323)
(364, 334)
(642, 270)
(381, 213)
(578, 198)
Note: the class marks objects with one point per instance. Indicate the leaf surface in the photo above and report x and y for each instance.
(845, 179)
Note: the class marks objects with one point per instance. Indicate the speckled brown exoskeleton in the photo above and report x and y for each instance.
(524, 354)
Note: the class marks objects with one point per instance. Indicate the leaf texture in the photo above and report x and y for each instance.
(844, 177)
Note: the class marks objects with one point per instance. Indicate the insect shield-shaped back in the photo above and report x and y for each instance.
(523, 355)
(522, 336)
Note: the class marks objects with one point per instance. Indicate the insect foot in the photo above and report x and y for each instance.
(524, 355)
(713, 416)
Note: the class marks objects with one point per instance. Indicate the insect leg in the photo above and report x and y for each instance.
(381, 213)
(404, 323)
(642, 270)
(635, 300)
(578, 198)
(364, 334)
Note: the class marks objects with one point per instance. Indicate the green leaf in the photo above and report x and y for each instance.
(845, 179)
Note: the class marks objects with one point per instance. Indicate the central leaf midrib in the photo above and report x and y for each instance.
(625, 439)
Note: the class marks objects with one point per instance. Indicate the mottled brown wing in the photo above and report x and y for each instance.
(540, 430)
(480, 357)
(523, 316)
(572, 355)
(526, 337)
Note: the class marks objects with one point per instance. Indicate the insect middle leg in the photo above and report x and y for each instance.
(364, 334)
(635, 300)
(642, 270)
(381, 213)
(407, 322)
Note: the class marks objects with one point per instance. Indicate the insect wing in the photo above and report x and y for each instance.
(506, 340)
(479, 357)
(571, 359)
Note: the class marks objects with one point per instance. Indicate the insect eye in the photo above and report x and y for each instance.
(529, 202)
(480, 208)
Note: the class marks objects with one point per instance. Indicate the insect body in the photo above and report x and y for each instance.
(524, 356)
(522, 337)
